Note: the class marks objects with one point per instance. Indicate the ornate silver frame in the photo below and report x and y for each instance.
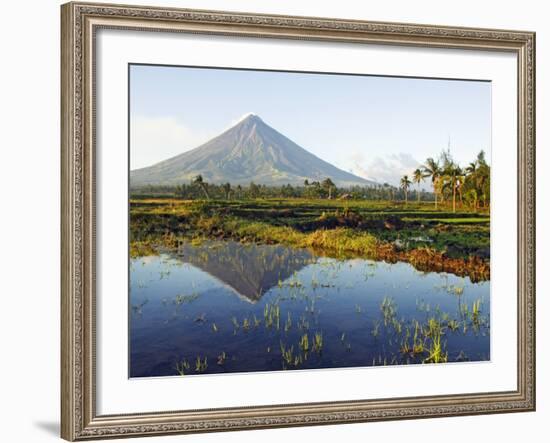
(80, 21)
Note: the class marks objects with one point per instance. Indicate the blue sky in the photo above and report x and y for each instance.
(376, 127)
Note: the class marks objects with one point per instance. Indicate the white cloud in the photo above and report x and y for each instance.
(237, 120)
(153, 139)
(387, 169)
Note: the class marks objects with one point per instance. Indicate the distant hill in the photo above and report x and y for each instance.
(249, 151)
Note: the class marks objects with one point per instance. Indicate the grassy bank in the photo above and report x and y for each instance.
(416, 233)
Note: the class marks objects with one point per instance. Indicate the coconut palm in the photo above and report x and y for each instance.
(481, 158)
(329, 185)
(418, 177)
(476, 182)
(460, 181)
(405, 184)
(432, 169)
(387, 188)
(198, 180)
(471, 168)
(227, 190)
(452, 174)
(254, 190)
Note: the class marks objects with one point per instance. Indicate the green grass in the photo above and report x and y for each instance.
(461, 221)
(332, 227)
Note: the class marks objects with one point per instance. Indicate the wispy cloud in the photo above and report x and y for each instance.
(387, 169)
(157, 138)
(237, 120)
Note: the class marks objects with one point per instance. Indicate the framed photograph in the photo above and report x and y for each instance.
(281, 221)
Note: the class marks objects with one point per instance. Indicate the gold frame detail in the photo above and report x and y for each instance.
(79, 22)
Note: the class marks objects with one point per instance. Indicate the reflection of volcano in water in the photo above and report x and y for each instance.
(250, 270)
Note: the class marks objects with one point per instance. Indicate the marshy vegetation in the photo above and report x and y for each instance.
(416, 233)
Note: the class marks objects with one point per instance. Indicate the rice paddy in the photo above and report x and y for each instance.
(416, 233)
(293, 310)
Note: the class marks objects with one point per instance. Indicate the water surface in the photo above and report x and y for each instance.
(228, 307)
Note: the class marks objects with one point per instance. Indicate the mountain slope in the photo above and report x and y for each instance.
(250, 271)
(249, 151)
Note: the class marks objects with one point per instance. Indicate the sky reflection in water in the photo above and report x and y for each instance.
(216, 301)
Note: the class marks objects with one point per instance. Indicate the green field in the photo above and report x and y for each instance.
(430, 239)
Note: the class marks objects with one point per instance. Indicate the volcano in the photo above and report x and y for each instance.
(250, 151)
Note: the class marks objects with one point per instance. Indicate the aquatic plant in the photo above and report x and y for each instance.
(464, 311)
(183, 367)
(458, 290)
(288, 323)
(318, 342)
(304, 343)
(418, 344)
(272, 314)
(434, 327)
(138, 309)
(436, 354)
(376, 328)
(287, 354)
(201, 365)
(303, 324)
(257, 321)
(397, 325)
(235, 322)
(310, 309)
(453, 325)
(389, 310)
(221, 358)
(181, 298)
(476, 311)
(295, 283)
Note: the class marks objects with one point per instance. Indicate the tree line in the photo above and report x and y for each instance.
(199, 188)
(451, 183)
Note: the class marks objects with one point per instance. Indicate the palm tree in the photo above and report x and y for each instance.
(405, 184)
(198, 180)
(329, 185)
(471, 180)
(460, 180)
(418, 177)
(471, 168)
(387, 187)
(481, 158)
(452, 173)
(254, 190)
(433, 170)
(482, 177)
(227, 190)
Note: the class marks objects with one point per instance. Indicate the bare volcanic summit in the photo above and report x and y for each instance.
(249, 151)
